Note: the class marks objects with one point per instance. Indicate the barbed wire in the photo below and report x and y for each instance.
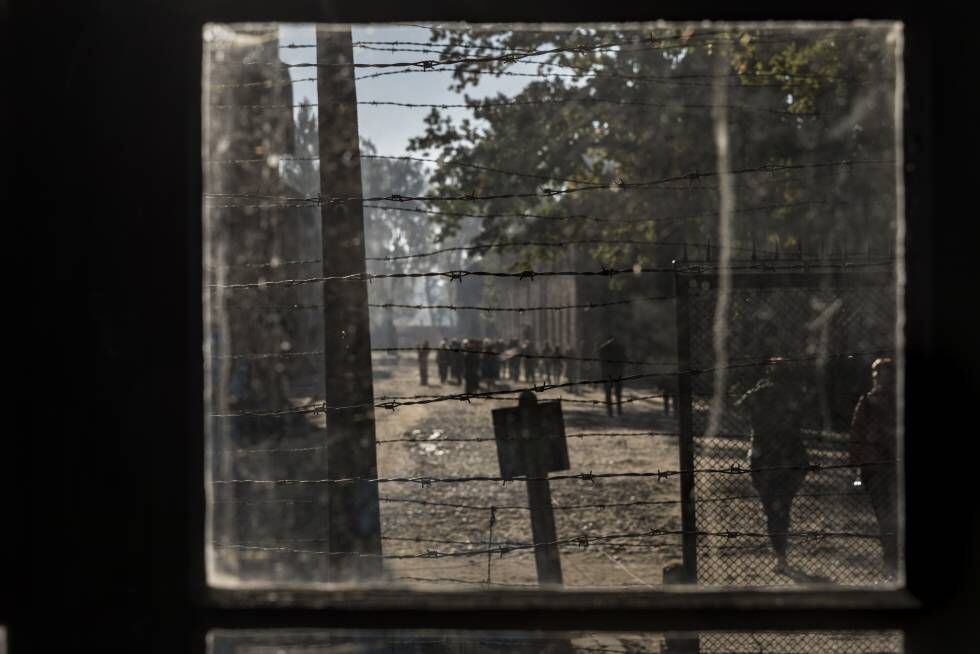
(405, 539)
(393, 402)
(498, 104)
(620, 184)
(427, 64)
(479, 508)
(505, 244)
(592, 477)
(463, 307)
(661, 79)
(555, 244)
(247, 306)
(459, 275)
(451, 275)
(582, 541)
(477, 439)
(747, 362)
(521, 57)
(683, 41)
(490, 308)
(559, 217)
(692, 183)
(607, 505)
(523, 355)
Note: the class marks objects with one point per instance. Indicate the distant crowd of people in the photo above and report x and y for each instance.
(477, 363)
(481, 364)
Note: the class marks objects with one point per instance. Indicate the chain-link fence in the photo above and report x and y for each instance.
(788, 420)
(828, 642)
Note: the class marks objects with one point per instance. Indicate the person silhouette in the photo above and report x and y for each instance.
(611, 357)
(778, 459)
(442, 361)
(873, 449)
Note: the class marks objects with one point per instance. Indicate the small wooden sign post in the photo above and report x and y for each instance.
(531, 443)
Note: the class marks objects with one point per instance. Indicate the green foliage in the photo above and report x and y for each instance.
(792, 95)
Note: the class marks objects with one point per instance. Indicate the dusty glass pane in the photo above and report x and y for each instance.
(685, 240)
(419, 641)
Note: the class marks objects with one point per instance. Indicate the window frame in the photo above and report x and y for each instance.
(181, 609)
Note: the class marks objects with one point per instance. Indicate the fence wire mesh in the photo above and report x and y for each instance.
(843, 642)
(785, 413)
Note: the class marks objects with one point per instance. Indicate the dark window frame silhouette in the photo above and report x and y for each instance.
(665, 610)
(117, 568)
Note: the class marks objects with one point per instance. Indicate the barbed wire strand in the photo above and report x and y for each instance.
(459, 275)
(592, 477)
(568, 507)
(838, 443)
(502, 104)
(582, 540)
(393, 402)
(620, 184)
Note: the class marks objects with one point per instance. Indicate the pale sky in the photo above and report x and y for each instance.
(389, 128)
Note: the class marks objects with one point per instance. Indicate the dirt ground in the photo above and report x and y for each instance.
(274, 532)
(631, 562)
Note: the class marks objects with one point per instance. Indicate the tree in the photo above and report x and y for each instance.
(622, 105)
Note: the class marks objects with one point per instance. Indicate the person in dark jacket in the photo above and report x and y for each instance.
(611, 357)
(442, 361)
(488, 372)
(471, 365)
(514, 351)
(776, 408)
(873, 448)
(456, 361)
(573, 366)
(557, 364)
(530, 357)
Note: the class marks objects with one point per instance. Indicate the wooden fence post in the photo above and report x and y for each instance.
(353, 515)
(686, 425)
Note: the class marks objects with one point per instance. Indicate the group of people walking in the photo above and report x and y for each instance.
(776, 408)
(779, 462)
(482, 363)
